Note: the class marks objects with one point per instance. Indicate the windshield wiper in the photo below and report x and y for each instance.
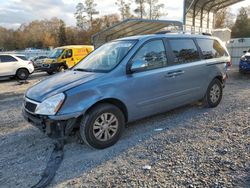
(83, 70)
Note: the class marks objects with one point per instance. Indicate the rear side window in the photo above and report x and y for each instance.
(184, 50)
(152, 54)
(22, 57)
(211, 48)
(6, 58)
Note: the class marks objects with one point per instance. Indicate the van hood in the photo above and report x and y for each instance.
(59, 83)
(49, 60)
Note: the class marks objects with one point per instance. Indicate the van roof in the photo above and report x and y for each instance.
(169, 35)
(76, 46)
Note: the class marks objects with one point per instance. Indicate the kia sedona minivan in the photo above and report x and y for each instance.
(126, 80)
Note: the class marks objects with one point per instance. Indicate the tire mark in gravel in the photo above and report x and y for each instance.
(53, 164)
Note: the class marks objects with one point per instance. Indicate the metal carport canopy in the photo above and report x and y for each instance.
(131, 27)
(196, 9)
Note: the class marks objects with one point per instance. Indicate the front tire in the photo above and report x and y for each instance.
(61, 69)
(102, 126)
(22, 74)
(214, 93)
(50, 72)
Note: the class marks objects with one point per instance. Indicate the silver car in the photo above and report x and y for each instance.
(126, 80)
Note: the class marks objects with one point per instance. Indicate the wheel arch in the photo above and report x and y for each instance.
(118, 103)
(219, 77)
(22, 68)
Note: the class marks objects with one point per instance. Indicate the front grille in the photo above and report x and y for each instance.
(31, 107)
(46, 65)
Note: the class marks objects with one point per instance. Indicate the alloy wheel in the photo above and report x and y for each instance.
(105, 127)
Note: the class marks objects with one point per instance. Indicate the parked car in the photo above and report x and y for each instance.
(244, 65)
(126, 80)
(38, 61)
(65, 57)
(15, 65)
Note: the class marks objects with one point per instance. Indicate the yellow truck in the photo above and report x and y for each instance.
(65, 57)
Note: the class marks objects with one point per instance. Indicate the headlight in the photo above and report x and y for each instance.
(243, 58)
(51, 105)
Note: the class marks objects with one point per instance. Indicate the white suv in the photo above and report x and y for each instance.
(15, 65)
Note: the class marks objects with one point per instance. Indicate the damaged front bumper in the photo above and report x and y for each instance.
(52, 127)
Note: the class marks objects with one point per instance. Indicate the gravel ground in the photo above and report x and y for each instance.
(188, 147)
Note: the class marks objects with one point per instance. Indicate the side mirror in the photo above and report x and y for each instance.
(138, 65)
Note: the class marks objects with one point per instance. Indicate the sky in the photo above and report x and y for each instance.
(13, 13)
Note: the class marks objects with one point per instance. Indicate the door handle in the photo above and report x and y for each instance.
(174, 74)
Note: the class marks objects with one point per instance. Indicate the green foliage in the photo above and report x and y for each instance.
(140, 9)
(124, 8)
(154, 11)
(80, 17)
(62, 34)
(90, 9)
(84, 14)
(241, 28)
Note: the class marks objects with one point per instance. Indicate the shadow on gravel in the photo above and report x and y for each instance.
(236, 75)
(245, 182)
(79, 159)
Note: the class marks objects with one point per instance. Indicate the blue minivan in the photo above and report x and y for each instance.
(125, 80)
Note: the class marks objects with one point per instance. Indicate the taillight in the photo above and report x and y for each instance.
(229, 64)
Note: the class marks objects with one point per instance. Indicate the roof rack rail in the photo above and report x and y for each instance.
(207, 34)
(163, 32)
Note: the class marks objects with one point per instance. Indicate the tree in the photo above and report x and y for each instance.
(224, 18)
(80, 17)
(90, 9)
(124, 8)
(84, 11)
(241, 28)
(155, 9)
(230, 19)
(140, 10)
(62, 34)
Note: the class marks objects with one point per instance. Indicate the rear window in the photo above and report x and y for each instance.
(6, 58)
(22, 57)
(184, 50)
(211, 48)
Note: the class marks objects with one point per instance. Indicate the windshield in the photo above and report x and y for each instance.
(56, 53)
(22, 57)
(106, 57)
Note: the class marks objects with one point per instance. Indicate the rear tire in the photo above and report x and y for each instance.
(102, 126)
(214, 93)
(22, 74)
